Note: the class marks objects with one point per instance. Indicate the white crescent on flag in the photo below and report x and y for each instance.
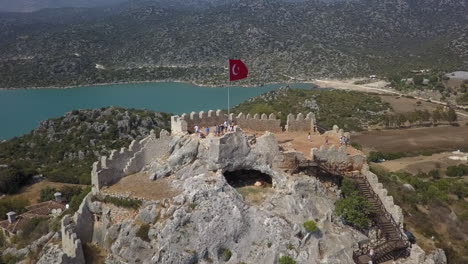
(234, 69)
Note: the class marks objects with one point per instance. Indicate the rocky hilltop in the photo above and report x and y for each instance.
(229, 199)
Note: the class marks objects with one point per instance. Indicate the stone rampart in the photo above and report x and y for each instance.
(300, 123)
(186, 123)
(258, 122)
(338, 158)
(337, 132)
(71, 244)
(125, 162)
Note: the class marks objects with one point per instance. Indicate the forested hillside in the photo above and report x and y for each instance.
(64, 149)
(152, 40)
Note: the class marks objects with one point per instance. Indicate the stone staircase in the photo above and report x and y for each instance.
(393, 244)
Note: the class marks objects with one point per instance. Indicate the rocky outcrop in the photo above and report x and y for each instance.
(210, 217)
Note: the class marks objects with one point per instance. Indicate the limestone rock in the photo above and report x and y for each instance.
(408, 187)
(148, 214)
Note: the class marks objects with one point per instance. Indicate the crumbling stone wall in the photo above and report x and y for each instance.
(300, 123)
(125, 162)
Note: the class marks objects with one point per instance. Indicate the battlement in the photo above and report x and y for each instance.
(300, 122)
(257, 122)
(337, 132)
(71, 244)
(127, 161)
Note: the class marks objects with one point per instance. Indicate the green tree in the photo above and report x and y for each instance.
(436, 116)
(433, 79)
(355, 210)
(418, 79)
(451, 115)
(287, 260)
(17, 205)
(47, 194)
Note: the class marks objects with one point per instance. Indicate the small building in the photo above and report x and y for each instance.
(15, 222)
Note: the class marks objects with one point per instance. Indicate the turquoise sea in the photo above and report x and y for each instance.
(21, 110)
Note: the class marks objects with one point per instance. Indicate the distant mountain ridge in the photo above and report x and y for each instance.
(35, 5)
(149, 40)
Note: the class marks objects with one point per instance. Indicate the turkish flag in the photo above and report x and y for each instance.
(237, 70)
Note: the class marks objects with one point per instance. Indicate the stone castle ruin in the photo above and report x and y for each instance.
(198, 165)
(257, 122)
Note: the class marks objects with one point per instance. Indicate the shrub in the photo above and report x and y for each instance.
(349, 187)
(355, 210)
(9, 259)
(310, 226)
(2, 240)
(32, 230)
(47, 194)
(77, 199)
(287, 260)
(457, 171)
(377, 156)
(227, 254)
(356, 146)
(435, 174)
(17, 205)
(143, 232)
(121, 202)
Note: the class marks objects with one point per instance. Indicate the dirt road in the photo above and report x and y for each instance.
(377, 87)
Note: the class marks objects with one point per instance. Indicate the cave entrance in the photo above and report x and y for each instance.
(244, 178)
(254, 186)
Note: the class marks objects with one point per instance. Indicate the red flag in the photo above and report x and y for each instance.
(237, 70)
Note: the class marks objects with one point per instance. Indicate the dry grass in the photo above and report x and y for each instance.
(139, 185)
(253, 194)
(417, 139)
(424, 164)
(32, 193)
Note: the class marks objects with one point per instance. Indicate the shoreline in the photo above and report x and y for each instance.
(155, 81)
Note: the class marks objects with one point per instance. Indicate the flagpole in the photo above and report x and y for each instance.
(229, 107)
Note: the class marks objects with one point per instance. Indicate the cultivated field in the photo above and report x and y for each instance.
(435, 139)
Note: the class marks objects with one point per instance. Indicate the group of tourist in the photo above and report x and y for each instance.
(344, 141)
(219, 130)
